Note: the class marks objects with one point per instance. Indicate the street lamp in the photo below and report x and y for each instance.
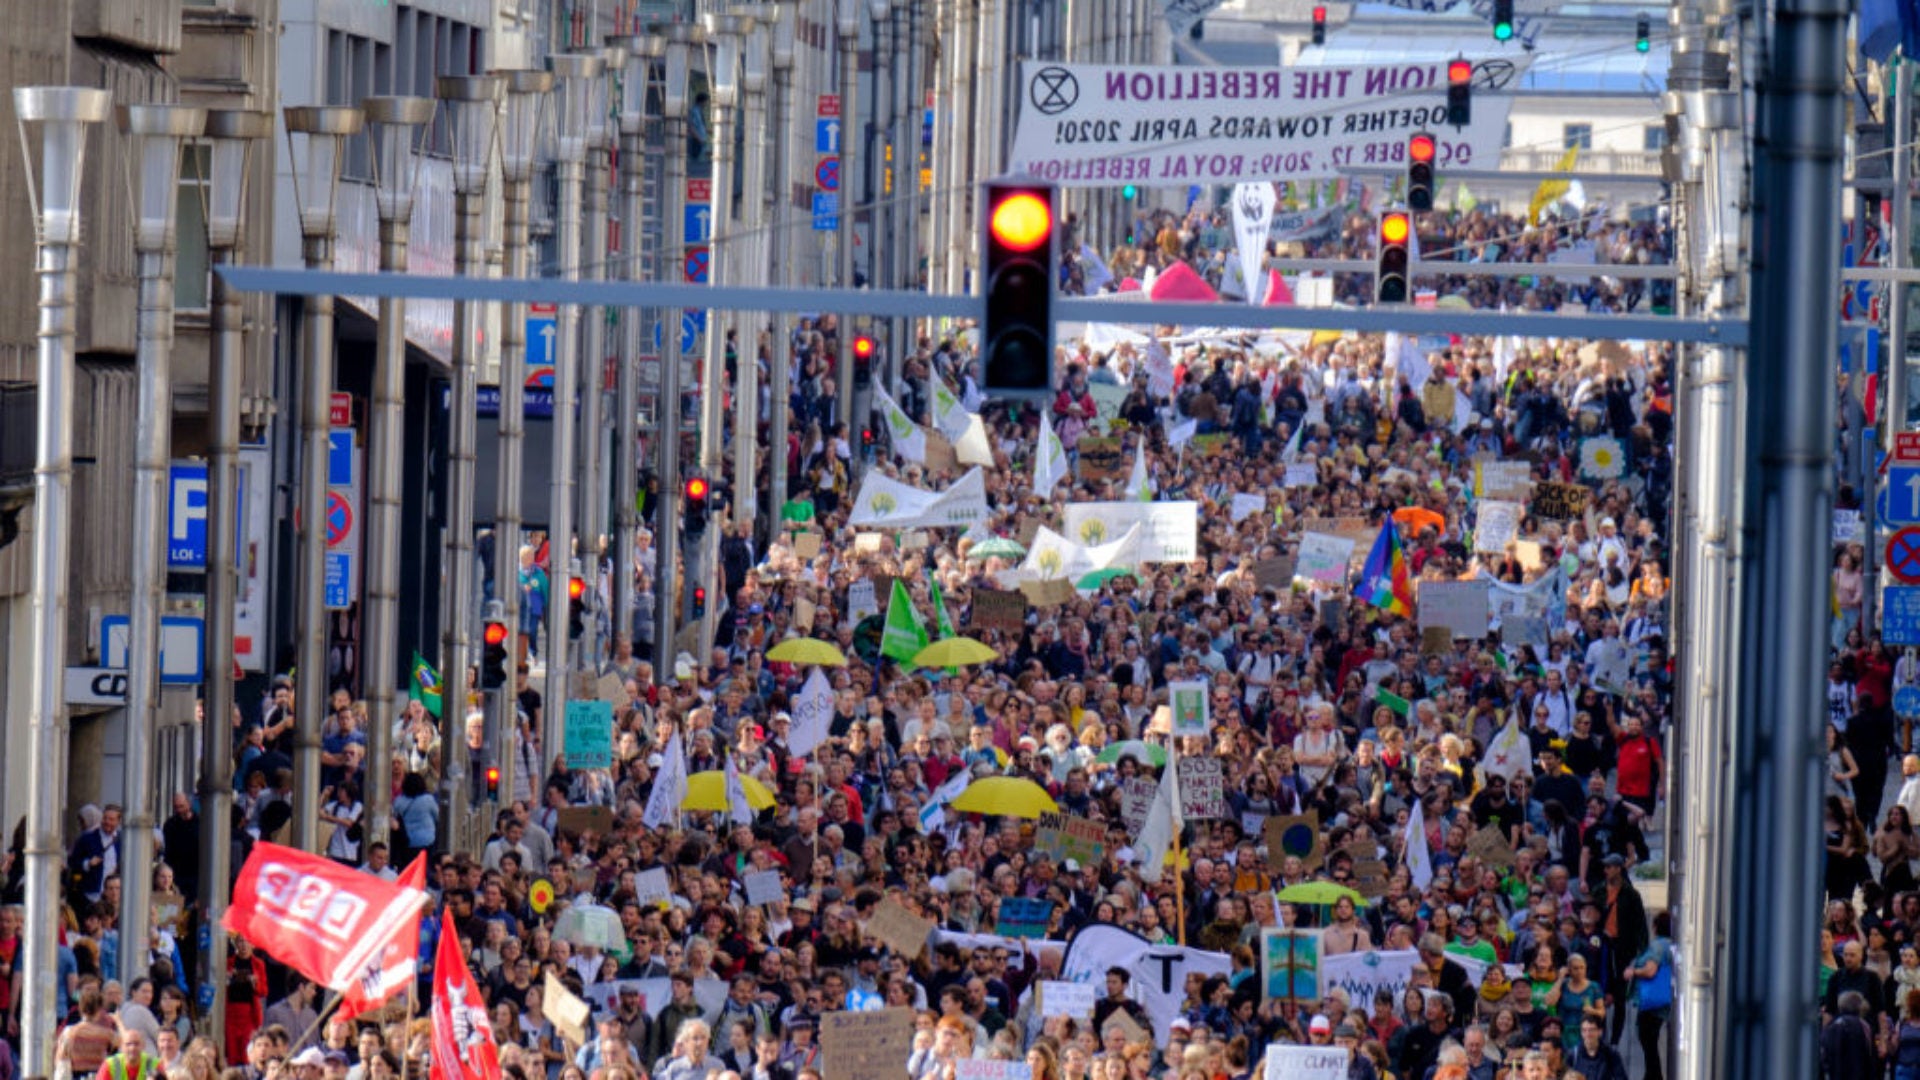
(62, 113)
(399, 128)
(232, 136)
(316, 139)
(472, 104)
(591, 508)
(155, 135)
(522, 123)
(643, 52)
(677, 51)
(578, 75)
(786, 14)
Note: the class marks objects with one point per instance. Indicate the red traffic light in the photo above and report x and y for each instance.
(863, 347)
(697, 488)
(576, 588)
(1022, 222)
(1394, 228)
(1319, 15)
(1459, 72)
(495, 633)
(1420, 149)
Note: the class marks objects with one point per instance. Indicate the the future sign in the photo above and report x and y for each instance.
(1086, 125)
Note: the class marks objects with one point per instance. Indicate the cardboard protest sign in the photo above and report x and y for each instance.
(1491, 847)
(994, 609)
(1560, 502)
(806, 545)
(1136, 798)
(1130, 1030)
(867, 543)
(1203, 788)
(1050, 593)
(763, 887)
(1435, 640)
(611, 689)
(1067, 999)
(870, 1043)
(1101, 458)
(1274, 573)
(1296, 835)
(899, 929)
(1529, 554)
(1458, 606)
(1497, 524)
(1064, 836)
(1370, 878)
(580, 820)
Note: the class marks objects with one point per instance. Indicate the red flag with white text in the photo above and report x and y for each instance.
(463, 1047)
(328, 922)
(393, 968)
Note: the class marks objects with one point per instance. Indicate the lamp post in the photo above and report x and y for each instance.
(155, 134)
(725, 32)
(522, 123)
(642, 51)
(785, 15)
(681, 37)
(751, 251)
(472, 104)
(847, 24)
(232, 136)
(316, 136)
(62, 113)
(591, 512)
(577, 74)
(399, 126)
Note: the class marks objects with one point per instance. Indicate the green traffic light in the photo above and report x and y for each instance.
(1129, 192)
(1502, 31)
(1643, 45)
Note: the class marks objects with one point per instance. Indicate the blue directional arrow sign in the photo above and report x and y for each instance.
(692, 325)
(699, 223)
(1901, 504)
(541, 330)
(826, 135)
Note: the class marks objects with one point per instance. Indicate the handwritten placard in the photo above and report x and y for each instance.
(806, 545)
(987, 1069)
(1067, 999)
(1323, 557)
(589, 734)
(763, 887)
(1460, 607)
(1100, 458)
(1023, 917)
(1050, 593)
(1064, 836)
(1307, 1062)
(1136, 798)
(899, 929)
(1245, 506)
(995, 609)
(652, 886)
(1561, 502)
(870, 1043)
(1496, 526)
(1301, 474)
(1505, 479)
(1203, 788)
(1275, 573)
(1491, 847)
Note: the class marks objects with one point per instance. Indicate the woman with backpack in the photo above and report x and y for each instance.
(1651, 975)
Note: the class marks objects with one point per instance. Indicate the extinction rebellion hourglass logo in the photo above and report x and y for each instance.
(1054, 90)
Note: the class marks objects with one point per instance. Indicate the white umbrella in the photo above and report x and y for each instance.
(590, 924)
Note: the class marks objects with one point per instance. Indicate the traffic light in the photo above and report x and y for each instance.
(866, 438)
(1017, 341)
(1459, 92)
(1130, 192)
(699, 601)
(493, 655)
(1319, 24)
(1390, 283)
(1642, 34)
(1420, 149)
(695, 505)
(493, 783)
(1503, 20)
(576, 606)
(864, 348)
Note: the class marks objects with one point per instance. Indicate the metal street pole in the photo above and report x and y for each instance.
(1899, 253)
(399, 124)
(593, 486)
(959, 192)
(321, 132)
(233, 136)
(642, 51)
(847, 22)
(472, 104)
(577, 75)
(780, 358)
(1775, 854)
(62, 113)
(156, 133)
(726, 32)
(667, 595)
(521, 125)
(751, 252)
(903, 211)
(876, 136)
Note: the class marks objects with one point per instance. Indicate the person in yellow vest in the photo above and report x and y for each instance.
(132, 1062)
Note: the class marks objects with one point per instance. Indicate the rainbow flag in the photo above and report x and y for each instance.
(1386, 581)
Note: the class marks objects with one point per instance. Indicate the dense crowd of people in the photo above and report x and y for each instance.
(1486, 804)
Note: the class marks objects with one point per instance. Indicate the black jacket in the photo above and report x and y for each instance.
(1603, 1065)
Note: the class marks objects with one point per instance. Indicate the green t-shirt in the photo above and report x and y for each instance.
(1481, 950)
(797, 511)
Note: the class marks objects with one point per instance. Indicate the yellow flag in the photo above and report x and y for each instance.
(1550, 191)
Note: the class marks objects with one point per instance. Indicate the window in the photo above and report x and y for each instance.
(427, 46)
(1577, 137)
(190, 284)
(1654, 138)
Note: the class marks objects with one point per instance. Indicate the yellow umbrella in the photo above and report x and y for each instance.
(955, 652)
(708, 791)
(801, 650)
(1006, 795)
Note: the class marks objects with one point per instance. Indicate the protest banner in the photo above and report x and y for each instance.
(1023, 917)
(1100, 458)
(589, 735)
(1064, 836)
(989, 1069)
(711, 994)
(1323, 558)
(1067, 999)
(898, 928)
(1286, 1062)
(806, 545)
(763, 887)
(1290, 964)
(1092, 547)
(581, 820)
(1274, 573)
(1169, 531)
(1136, 798)
(1560, 502)
(995, 609)
(1095, 125)
(1302, 474)
(1526, 630)
(1508, 480)
(1246, 506)
(1491, 847)
(651, 886)
(884, 502)
(870, 1043)
(1458, 606)
(1203, 788)
(1191, 716)
(1497, 525)
(1364, 974)
(1297, 836)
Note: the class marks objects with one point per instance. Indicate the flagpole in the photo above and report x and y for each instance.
(412, 993)
(1179, 826)
(320, 1019)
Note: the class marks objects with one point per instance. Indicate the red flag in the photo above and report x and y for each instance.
(1277, 291)
(391, 970)
(463, 1047)
(323, 920)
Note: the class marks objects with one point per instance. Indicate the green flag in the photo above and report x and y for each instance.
(426, 684)
(904, 635)
(1391, 700)
(941, 623)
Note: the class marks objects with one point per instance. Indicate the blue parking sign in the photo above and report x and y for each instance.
(1900, 614)
(187, 515)
(826, 211)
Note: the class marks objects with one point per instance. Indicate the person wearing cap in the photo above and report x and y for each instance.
(1347, 1035)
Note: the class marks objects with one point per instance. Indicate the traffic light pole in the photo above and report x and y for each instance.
(667, 596)
(779, 358)
(592, 501)
(849, 27)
